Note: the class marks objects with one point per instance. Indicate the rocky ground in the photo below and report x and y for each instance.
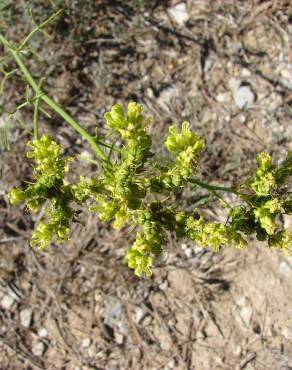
(226, 66)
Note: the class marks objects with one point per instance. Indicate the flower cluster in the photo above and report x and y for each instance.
(187, 147)
(208, 234)
(125, 191)
(49, 187)
(269, 198)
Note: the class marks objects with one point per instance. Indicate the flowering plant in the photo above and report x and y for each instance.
(136, 189)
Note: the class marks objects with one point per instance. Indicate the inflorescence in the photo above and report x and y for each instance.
(124, 193)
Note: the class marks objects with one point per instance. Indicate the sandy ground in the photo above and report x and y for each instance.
(226, 66)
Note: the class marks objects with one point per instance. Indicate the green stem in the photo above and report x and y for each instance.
(36, 112)
(98, 151)
(36, 119)
(213, 187)
(39, 28)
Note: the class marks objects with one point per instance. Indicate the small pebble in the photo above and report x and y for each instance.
(179, 13)
(184, 246)
(85, 342)
(287, 78)
(245, 72)
(246, 314)
(38, 349)
(119, 338)
(233, 84)
(91, 351)
(147, 321)
(25, 317)
(222, 98)
(7, 302)
(287, 333)
(188, 252)
(139, 314)
(285, 268)
(43, 333)
(244, 97)
(164, 285)
(242, 118)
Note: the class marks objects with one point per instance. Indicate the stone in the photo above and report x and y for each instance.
(165, 97)
(85, 342)
(184, 246)
(119, 338)
(113, 315)
(25, 317)
(147, 321)
(242, 118)
(246, 314)
(179, 13)
(223, 98)
(139, 314)
(7, 302)
(188, 252)
(285, 268)
(164, 285)
(287, 219)
(245, 72)
(287, 78)
(150, 92)
(42, 332)
(86, 154)
(287, 333)
(244, 97)
(233, 84)
(38, 349)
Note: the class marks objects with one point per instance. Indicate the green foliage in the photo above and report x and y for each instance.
(266, 214)
(282, 240)
(208, 234)
(49, 187)
(50, 168)
(264, 181)
(187, 147)
(125, 192)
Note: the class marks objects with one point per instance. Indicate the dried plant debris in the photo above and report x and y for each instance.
(225, 67)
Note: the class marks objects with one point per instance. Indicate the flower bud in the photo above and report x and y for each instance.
(16, 196)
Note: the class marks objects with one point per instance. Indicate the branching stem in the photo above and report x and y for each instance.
(16, 55)
(213, 188)
(91, 140)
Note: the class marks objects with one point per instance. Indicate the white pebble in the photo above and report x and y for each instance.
(222, 98)
(244, 97)
(43, 333)
(139, 314)
(233, 84)
(242, 118)
(25, 317)
(189, 252)
(287, 78)
(184, 246)
(38, 349)
(285, 268)
(85, 342)
(246, 314)
(119, 338)
(7, 302)
(287, 333)
(179, 13)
